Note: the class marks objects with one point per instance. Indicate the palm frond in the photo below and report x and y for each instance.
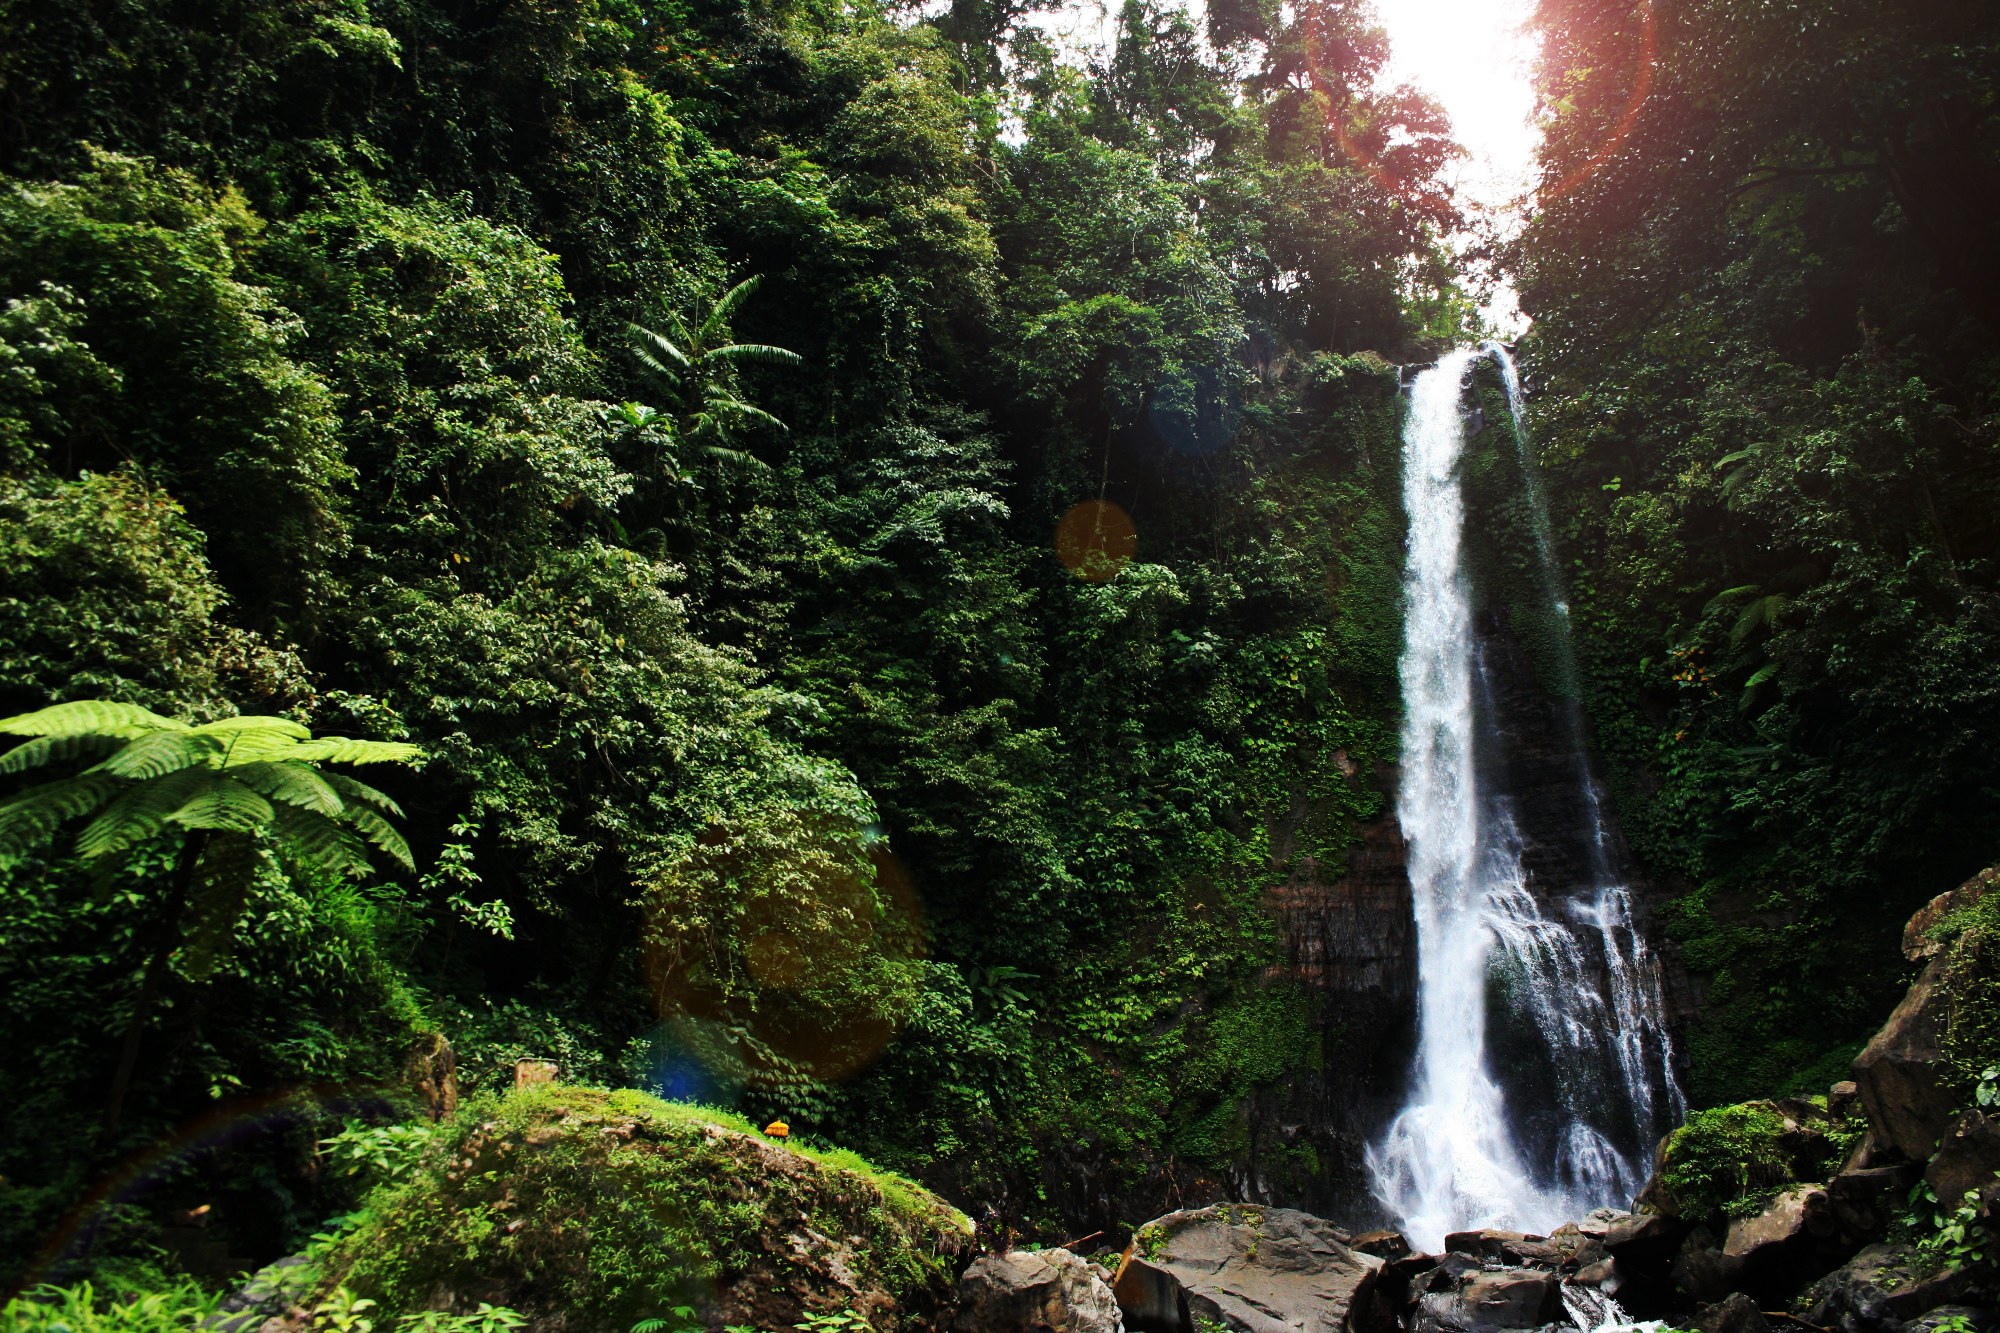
(223, 879)
(726, 308)
(761, 353)
(340, 750)
(228, 806)
(53, 749)
(140, 813)
(652, 345)
(352, 790)
(159, 753)
(34, 815)
(318, 843)
(293, 783)
(89, 715)
(380, 832)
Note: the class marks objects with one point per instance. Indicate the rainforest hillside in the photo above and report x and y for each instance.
(883, 539)
(895, 732)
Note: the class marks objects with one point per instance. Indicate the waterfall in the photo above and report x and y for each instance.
(1563, 967)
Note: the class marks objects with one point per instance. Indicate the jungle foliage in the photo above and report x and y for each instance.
(659, 412)
(1764, 285)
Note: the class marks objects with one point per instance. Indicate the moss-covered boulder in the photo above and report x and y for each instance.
(590, 1210)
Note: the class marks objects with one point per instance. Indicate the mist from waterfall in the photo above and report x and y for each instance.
(1565, 965)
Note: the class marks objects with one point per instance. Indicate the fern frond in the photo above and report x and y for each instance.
(227, 805)
(293, 783)
(141, 811)
(760, 353)
(89, 715)
(731, 302)
(380, 832)
(159, 753)
(34, 815)
(318, 843)
(52, 749)
(1728, 595)
(340, 750)
(222, 882)
(352, 790)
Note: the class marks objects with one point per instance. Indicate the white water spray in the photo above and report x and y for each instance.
(1574, 972)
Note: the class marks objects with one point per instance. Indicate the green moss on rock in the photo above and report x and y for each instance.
(587, 1209)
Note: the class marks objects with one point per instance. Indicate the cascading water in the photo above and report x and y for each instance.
(1475, 1145)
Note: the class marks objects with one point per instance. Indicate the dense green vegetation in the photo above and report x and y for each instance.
(884, 540)
(1767, 371)
(386, 365)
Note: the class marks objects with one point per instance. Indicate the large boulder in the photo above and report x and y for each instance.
(1250, 1269)
(1461, 1295)
(1035, 1291)
(1734, 1313)
(1866, 1199)
(1792, 1241)
(1905, 1083)
(590, 1210)
(1968, 1159)
(1881, 1288)
(1919, 943)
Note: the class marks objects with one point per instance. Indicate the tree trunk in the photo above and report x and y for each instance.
(156, 970)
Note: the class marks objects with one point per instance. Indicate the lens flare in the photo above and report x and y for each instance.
(1095, 540)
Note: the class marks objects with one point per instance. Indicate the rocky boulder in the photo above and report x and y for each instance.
(1252, 1270)
(1967, 1160)
(586, 1209)
(1035, 1291)
(1462, 1295)
(1790, 1242)
(1881, 1288)
(1734, 1313)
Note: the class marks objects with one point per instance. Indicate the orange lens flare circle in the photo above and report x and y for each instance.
(1095, 540)
(1642, 89)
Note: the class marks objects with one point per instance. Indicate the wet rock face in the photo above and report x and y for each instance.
(1044, 1291)
(1349, 934)
(1251, 1270)
(1462, 1296)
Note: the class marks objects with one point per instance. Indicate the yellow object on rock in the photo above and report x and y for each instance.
(778, 1129)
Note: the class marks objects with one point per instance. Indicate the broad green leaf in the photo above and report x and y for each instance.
(89, 715)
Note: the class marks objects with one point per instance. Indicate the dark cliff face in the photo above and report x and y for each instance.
(1350, 940)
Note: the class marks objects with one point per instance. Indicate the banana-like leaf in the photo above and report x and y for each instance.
(651, 345)
(222, 882)
(382, 833)
(761, 353)
(317, 842)
(293, 783)
(34, 815)
(352, 791)
(141, 811)
(89, 715)
(726, 308)
(52, 749)
(339, 750)
(159, 753)
(227, 805)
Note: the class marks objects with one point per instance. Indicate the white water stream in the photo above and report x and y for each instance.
(1564, 966)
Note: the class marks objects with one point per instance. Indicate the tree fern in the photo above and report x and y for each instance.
(228, 787)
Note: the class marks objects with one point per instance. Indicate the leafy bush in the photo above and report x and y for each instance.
(174, 1308)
